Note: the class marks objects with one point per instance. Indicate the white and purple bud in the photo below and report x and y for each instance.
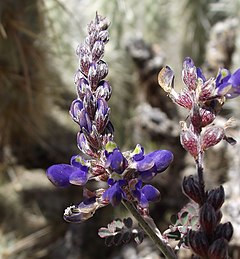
(101, 115)
(189, 74)
(189, 140)
(89, 102)
(97, 50)
(184, 99)
(82, 87)
(84, 146)
(104, 90)
(211, 137)
(84, 121)
(75, 109)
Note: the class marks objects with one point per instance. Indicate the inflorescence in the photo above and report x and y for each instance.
(100, 159)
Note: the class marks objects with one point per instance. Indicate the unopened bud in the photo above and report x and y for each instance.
(165, 79)
(224, 231)
(189, 74)
(198, 242)
(189, 140)
(98, 50)
(191, 189)
(211, 137)
(207, 116)
(184, 99)
(216, 197)
(218, 249)
(196, 118)
(207, 218)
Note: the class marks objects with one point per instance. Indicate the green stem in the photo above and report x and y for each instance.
(161, 245)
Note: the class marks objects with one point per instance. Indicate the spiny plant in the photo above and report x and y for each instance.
(126, 176)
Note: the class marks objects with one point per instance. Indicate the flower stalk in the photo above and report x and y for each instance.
(155, 237)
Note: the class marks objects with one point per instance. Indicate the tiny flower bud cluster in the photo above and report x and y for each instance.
(212, 237)
(125, 173)
(204, 100)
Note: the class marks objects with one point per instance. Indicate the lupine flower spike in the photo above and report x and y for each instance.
(125, 173)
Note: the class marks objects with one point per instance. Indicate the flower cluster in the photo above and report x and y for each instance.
(203, 99)
(100, 159)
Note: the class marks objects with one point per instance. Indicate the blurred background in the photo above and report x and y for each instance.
(38, 39)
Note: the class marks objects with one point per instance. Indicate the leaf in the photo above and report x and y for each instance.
(104, 232)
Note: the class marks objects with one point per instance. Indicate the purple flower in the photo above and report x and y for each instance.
(115, 193)
(116, 161)
(145, 194)
(228, 84)
(153, 163)
(81, 212)
(138, 153)
(62, 175)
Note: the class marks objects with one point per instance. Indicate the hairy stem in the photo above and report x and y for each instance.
(161, 244)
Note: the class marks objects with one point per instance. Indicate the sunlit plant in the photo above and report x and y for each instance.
(127, 175)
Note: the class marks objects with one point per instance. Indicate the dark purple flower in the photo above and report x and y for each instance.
(153, 163)
(138, 153)
(115, 193)
(200, 74)
(84, 121)
(116, 161)
(228, 84)
(82, 212)
(62, 175)
(145, 194)
(76, 107)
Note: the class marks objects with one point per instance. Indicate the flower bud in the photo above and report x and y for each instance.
(93, 76)
(216, 197)
(218, 249)
(185, 100)
(224, 231)
(189, 141)
(101, 115)
(189, 74)
(75, 109)
(207, 218)
(103, 36)
(84, 121)
(196, 118)
(211, 137)
(84, 63)
(191, 189)
(207, 89)
(207, 116)
(83, 145)
(97, 50)
(82, 86)
(198, 242)
(104, 90)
